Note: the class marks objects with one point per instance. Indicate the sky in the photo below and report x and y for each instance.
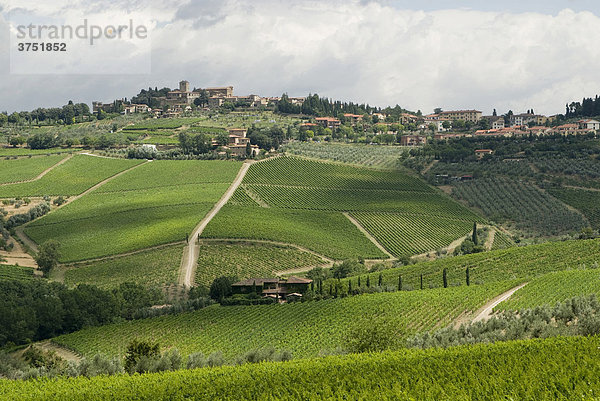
(421, 55)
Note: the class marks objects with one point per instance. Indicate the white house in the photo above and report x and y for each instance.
(589, 124)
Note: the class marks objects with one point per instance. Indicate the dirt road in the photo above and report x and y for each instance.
(191, 251)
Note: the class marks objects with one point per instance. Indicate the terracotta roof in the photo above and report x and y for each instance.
(298, 280)
(253, 281)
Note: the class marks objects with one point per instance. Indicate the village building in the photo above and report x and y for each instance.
(279, 288)
(328, 122)
(353, 118)
(591, 125)
(466, 115)
(413, 140)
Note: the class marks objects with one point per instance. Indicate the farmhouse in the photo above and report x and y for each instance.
(279, 288)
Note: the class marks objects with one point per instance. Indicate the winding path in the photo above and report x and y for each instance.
(486, 311)
(192, 249)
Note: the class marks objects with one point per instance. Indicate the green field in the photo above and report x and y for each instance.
(246, 260)
(327, 233)
(401, 211)
(19, 273)
(502, 241)
(554, 287)
(507, 264)
(152, 268)
(71, 178)
(157, 203)
(587, 202)
(26, 168)
(365, 155)
(303, 328)
(529, 370)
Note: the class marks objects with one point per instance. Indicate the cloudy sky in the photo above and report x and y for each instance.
(434, 53)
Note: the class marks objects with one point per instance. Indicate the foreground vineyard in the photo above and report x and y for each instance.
(416, 217)
(157, 203)
(550, 369)
(303, 328)
(506, 264)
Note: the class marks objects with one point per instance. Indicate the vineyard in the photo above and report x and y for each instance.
(152, 268)
(421, 218)
(157, 203)
(327, 233)
(246, 260)
(26, 168)
(587, 202)
(531, 210)
(406, 234)
(555, 368)
(521, 263)
(387, 157)
(483, 168)
(71, 178)
(304, 328)
(555, 287)
(18, 273)
(502, 241)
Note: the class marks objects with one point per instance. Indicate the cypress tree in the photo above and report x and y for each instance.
(400, 283)
(336, 291)
(468, 276)
(358, 281)
(349, 287)
(421, 281)
(368, 281)
(474, 237)
(380, 283)
(312, 286)
(445, 277)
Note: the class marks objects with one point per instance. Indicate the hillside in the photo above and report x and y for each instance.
(557, 368)
(318, 205)
(305, 329)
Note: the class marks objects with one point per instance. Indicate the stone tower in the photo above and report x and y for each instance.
(184, 86)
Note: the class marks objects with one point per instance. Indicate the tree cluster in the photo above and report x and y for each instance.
(36, 310)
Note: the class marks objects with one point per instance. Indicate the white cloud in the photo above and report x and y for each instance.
(359, 51)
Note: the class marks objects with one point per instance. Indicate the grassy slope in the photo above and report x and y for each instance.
(303, 328)
(157, 203)
(71, 178)
(554, 287)
(550, 369)
(151, 268)
(27, 168)
(248, 260)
